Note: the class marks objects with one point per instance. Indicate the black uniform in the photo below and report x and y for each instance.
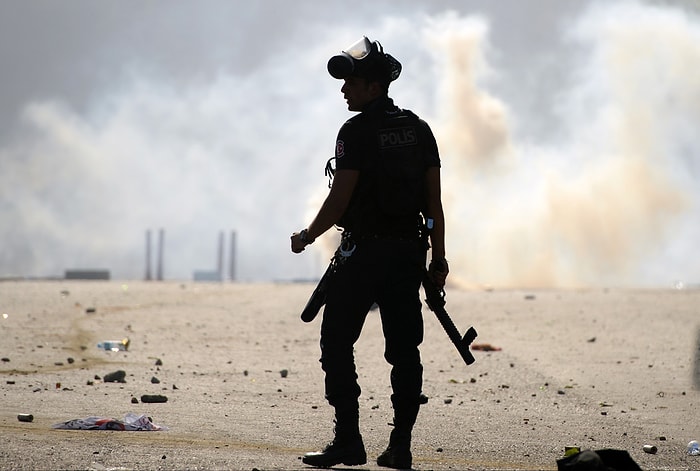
(392, 149)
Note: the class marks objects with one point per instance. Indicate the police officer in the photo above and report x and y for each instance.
(386, 180)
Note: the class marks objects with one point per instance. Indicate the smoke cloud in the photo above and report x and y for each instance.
(607, 195)
(613, 200)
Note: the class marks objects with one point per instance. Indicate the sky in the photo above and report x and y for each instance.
(566, 132)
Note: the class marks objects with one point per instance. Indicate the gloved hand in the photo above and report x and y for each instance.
(437, 271)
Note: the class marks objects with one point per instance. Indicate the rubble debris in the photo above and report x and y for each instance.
(115, 377)
(485, 347)
(153, 398)
(25, 417)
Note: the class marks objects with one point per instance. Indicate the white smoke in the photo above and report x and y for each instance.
(228, 155)
(613, 201)
(608, 198)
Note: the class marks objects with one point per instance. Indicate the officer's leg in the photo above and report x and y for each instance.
(346, 309)
(402, 322)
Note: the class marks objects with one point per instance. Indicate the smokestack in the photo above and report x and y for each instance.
(161, 239)
(232, 257)
(220, 258)
(148, 255)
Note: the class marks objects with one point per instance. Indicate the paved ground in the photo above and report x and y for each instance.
(590, 368)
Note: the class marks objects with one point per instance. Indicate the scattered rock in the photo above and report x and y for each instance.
(159, 362)
(25, 417)
(90, 310)
(70, 360)
(155, 380)
(115, 377)
(284, 373)
(5, 359)
(134, 400)
(153, 398)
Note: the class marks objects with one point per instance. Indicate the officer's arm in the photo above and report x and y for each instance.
(336, 202)
(333, 207)
(434, 210)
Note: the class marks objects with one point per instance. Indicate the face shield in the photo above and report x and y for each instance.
(360, 49)
(364, 59)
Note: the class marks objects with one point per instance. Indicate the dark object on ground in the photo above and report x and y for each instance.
(153, 398)
(115, 377)
(599, 460)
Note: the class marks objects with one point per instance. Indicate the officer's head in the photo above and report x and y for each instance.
(366, 60)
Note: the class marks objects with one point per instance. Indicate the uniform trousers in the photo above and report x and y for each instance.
(387, 272)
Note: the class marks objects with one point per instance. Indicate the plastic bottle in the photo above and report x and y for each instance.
(694, 448)
(114, 345)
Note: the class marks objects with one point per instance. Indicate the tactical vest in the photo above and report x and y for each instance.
(390, 193)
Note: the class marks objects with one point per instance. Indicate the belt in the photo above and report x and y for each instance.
(387, 237)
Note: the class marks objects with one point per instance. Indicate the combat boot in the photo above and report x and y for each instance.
(398, 453)
(347, 451)
(347, 446)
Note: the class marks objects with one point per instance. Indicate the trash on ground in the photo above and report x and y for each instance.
(571, 450)
(131, 423)
(599, 459)
(114, 345)
(485, 347)
(651, 449)
(694, 448)
(25, 417)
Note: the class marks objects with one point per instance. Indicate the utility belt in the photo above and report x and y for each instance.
(381, 241)
(387, 237)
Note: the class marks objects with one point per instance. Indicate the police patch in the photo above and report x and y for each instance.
(397, 137)
(339, 148)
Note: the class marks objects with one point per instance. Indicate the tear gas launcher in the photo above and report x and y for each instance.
(435, 299)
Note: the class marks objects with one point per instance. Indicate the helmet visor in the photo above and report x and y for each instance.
(360, 49)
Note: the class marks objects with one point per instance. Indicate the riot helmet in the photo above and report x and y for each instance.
(365, 59)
